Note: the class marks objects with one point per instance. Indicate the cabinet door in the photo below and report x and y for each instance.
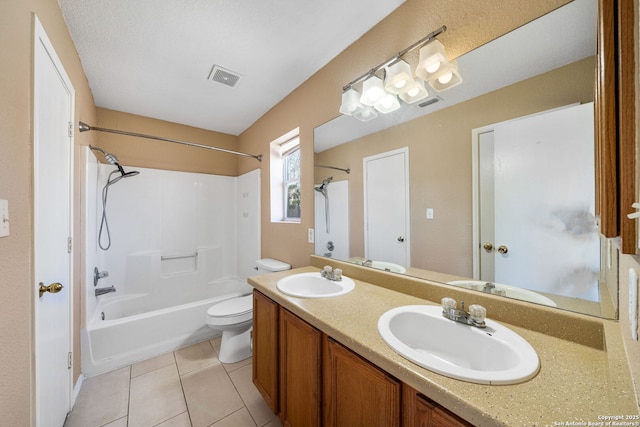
(299, 372)
(355, 392)
(419, 411)
(265, 348)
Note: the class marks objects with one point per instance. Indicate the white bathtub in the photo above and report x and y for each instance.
(140, 326)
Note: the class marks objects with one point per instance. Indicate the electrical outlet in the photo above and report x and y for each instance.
(633, 303)
(429, 213)
(311, 235)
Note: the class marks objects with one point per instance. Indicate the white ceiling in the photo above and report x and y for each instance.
(153, 57)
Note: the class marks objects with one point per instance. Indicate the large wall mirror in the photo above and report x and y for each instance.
(489, 185)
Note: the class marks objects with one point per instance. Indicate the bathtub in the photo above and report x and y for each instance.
(130, 328)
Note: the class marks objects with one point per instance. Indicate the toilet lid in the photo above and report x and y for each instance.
(232, 307)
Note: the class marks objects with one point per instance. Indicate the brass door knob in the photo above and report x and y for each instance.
(53, 288)
(503, 249)
(488, 246)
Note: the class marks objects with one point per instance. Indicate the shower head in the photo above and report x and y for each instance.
(322, 188)
(112, 159)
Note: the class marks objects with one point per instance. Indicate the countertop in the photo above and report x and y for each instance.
(576, 383)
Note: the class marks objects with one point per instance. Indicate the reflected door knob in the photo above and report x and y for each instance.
(488, 246)
(400, 239)
(503, 249)
(53, 288)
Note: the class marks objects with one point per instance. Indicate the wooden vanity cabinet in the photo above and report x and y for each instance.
(300, 364)
(355, 392)
(265, 349)
(420, 411)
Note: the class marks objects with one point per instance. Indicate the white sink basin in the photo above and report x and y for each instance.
(312, 285)
(493, 355)
(388, 266)
(508, 291)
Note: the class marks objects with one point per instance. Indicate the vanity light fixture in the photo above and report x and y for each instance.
(372, 90)
(433, 67)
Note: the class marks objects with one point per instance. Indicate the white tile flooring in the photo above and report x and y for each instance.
(184, 388)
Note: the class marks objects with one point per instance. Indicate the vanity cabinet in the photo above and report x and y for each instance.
(355, 392)
(310, 379)
(420, 411)
(300, 364)
(265, 349)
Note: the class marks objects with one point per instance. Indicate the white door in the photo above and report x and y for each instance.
(386, 207)
(545, 202)
(53, 113)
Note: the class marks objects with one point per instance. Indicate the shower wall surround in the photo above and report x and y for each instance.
(165, 214)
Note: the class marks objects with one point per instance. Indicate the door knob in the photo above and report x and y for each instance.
(503, 249)
(400, 239)
(488, 246)
(53, 288)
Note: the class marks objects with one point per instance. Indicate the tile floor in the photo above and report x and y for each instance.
(187, 387)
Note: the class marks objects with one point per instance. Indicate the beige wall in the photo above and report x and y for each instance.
(440, 163)
(16, 185)
(165, 155)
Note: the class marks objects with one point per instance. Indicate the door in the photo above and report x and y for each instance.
(386, 207)
(544, 203)
(53, 115)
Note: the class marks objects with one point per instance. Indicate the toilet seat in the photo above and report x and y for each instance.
(231, 311)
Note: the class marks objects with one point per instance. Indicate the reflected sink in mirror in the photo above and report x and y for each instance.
(388, 266)
(313, 285)
(493, 355)
(504, 290)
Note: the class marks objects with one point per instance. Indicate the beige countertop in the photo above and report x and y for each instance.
(576, 382)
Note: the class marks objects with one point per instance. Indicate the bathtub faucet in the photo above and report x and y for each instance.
(102, 291)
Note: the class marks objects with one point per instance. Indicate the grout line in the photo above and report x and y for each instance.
(184, 396)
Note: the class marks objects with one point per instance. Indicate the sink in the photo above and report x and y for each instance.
(388, 266)
(492, 355)
(312, 285)
(508, 291)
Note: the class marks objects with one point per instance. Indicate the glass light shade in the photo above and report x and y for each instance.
(388, 103)
(350, 102)
(398, 77)
(415, 92)
(447, 78)
(367, 113)
(372, 90)
(432, 59)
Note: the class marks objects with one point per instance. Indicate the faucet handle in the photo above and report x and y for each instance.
(477, 313)
(327, 269)
(448, 303)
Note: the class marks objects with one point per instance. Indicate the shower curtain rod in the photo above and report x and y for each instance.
(83, 127)
(333, 167)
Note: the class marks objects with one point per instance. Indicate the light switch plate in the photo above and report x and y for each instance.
(429, 213)
(311, 235)
(4, 218)
(633, 303)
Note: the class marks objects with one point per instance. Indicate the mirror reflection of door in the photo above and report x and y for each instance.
(539, 170)
(386, 207)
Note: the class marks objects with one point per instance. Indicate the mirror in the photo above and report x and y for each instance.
(416, 178)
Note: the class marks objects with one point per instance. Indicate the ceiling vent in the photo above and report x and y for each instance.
(430, 101)
(224, 76)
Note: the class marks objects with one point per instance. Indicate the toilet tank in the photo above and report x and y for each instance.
(268, 265)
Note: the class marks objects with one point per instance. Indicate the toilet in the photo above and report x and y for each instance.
(234, 317)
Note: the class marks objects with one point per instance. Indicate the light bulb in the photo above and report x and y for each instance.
(413, 92)
(445, 78)
(433, 67)
(400, 84)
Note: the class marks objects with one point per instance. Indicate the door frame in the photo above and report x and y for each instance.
(40, 36)
(407, 207)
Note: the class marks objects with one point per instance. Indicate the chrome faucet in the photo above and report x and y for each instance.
(329, 273)
(97, 275)
(102, 291)
(474, 317)
(489, 287)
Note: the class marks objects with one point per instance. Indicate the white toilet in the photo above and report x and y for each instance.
(234, 317)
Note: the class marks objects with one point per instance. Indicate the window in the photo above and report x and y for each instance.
(285, 178)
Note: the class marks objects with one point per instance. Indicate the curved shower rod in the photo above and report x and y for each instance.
(83, 127)
(348, 170)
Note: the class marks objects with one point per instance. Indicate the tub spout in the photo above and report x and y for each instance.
(102, 291)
